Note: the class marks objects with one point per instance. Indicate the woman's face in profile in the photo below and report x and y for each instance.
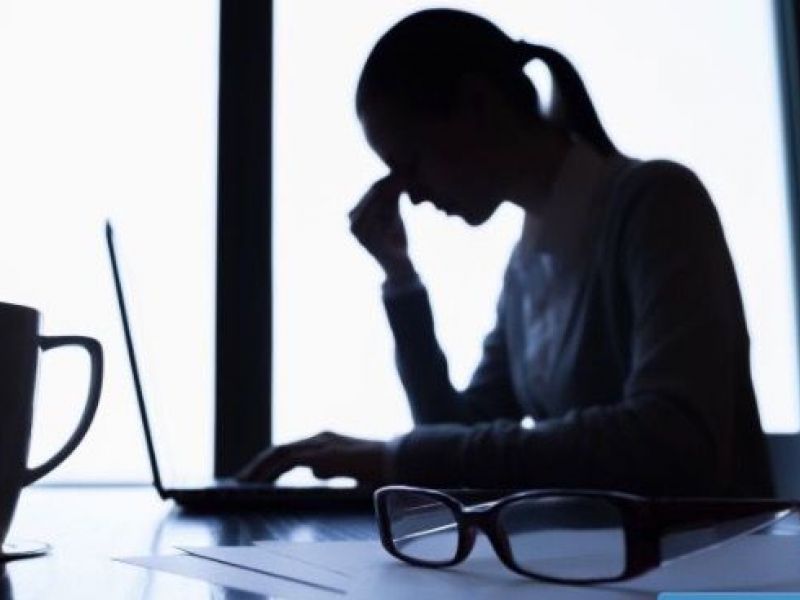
(440, 159)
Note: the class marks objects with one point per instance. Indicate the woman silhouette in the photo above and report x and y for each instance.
(620, 327)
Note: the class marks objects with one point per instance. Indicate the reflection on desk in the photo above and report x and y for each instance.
(87, 526)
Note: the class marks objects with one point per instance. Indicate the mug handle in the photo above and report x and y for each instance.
(95, 351)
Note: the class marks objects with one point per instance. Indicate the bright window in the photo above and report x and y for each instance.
(109, 110)
(693, 82)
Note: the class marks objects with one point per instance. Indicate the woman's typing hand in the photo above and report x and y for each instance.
(327, 455)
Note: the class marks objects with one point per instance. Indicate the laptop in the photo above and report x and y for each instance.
(224, 494)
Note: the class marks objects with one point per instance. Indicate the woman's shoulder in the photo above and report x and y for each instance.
(660, 199)
(661, 186)
(659, 174)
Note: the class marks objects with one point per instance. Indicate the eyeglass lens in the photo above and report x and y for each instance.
(565, 537)
(422, 527)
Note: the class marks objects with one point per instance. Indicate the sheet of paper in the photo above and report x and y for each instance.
(343, 558)
(763, 563)
(758, 562)
(755, 562)
(259, 560)
(232, 577)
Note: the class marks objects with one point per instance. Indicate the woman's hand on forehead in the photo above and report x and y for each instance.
(385, 191)
(377, 225)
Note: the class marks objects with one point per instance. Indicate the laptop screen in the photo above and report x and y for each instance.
(155, 421)
(163, 474)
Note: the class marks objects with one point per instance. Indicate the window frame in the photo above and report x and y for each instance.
(243, 404)
(785, 448)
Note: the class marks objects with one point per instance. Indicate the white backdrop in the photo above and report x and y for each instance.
(108, 109)
(690, 81)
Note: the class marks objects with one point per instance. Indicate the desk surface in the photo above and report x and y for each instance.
(88, 526)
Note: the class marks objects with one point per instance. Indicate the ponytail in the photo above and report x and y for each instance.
(421, 61)
(571, 103)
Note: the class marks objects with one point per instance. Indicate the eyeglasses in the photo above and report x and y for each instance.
(562, 536)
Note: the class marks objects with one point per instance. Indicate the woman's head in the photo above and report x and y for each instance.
(419, 65)
(441, 89)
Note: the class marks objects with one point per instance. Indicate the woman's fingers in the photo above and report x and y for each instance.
(327, 454)
(255, 470)
(380, 197)
(377, 225)
(272, 462)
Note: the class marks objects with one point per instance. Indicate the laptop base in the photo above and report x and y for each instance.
(216, 499)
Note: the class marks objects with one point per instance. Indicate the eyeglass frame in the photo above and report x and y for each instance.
(645, 521)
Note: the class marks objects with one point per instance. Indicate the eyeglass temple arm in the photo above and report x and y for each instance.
(667, 513)
(672, 513)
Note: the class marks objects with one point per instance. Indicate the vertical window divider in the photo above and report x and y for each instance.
(244, 299)
(785, 448)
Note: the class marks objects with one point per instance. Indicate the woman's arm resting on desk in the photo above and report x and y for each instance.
(433, 399)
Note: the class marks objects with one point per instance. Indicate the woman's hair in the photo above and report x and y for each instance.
(421, 62)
